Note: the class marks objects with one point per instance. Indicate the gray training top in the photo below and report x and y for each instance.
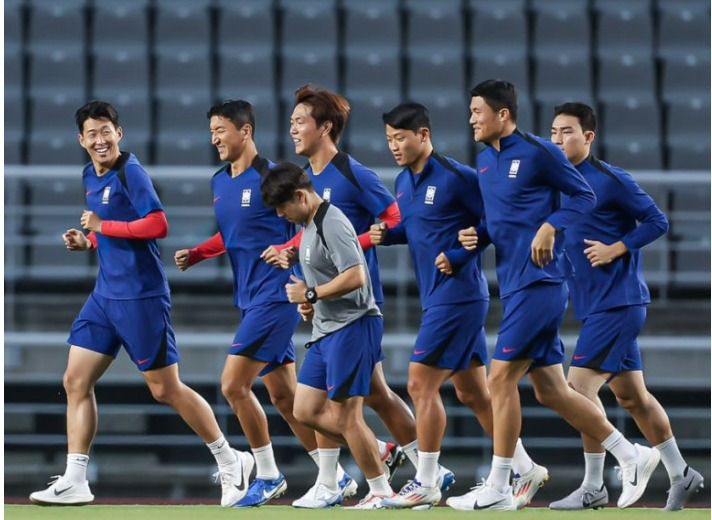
(329, 246)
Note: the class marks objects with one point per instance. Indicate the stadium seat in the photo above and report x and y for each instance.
(684, 28)
(121, 75)
(247, 73)
(53, 131)
(371, 26)
(120, 26)
(13, 74)
(56, 25)
(309, 45)
(182, 25)
(510, 67)
(247, 25)
(184, 149)
(690, 156)
(624, 76)
(635, 154)
(499, 28)
(13, 27)
(561, 24)
(561, 75)
(434, 26)
(59, 73)
(688, 120)
(687, 77)
(183, 135)
(438, 73)
(365, 136)
(183, 74)
(623, 26)
(372, 73)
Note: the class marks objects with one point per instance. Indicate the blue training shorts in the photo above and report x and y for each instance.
(530, 325)
(342, 363)
(142, 326)
(608, 340)
(265, 334)
(452, 336)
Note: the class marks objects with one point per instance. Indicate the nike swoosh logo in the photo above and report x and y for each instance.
(242, 486)
(236, 344)
(508, 350)
(688, 485)
(143, 361)
(89, 192)
(216, 199)
(578, 358)
(399, 195)
(634, 482)
(330, 388)
(477, 506)
(58, 492)
(483, 170)
(419, 352)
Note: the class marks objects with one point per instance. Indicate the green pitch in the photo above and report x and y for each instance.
(13, 512)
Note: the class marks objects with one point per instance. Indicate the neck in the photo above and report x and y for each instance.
(313, 201)
(102, 169)
(578, 160)
(509, 129)
(322, 157)
(417, 166)
(244, 161)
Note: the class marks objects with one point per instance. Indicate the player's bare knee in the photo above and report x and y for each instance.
(631, 403)
(161, 393)
(234, 391)
(283, 401)
(76, 385)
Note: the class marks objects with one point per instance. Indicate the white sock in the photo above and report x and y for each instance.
(499, 474)
(382, 448)
(672, 459)
(620, 447)
(522, 462)
(427, 473)
(411, 451)
(266, 465)
(593, 478)
(222, 452)
(314, 454)
(76, 471)
(379, 486)
(328, 461)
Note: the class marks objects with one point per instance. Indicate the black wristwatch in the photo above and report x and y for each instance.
(311, 295)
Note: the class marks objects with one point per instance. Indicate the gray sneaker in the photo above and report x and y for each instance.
(681, 492)
(582, 498)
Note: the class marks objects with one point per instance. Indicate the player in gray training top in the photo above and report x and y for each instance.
(347, 329)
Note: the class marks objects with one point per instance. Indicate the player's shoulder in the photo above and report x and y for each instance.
(540, 146)
(460, 170)
(609, 172)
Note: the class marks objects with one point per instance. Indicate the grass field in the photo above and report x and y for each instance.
(126, 512)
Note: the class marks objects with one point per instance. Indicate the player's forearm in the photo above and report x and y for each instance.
(652, 226)
(152, 226)
(346, 281)
(212, 247)
(295, 241)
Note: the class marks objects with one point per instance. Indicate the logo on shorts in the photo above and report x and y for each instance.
(430, 194)
(246, 197)
(330, 388)
(105, 197)
(419, 352)
(327, 194)
(307, 255)
(143, 361)
(507, 350)
(579, 358)
(514, 168)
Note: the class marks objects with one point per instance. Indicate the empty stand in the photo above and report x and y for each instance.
(57, 25)
(625, 76)
(498, 28)
(561, 24)
(245, 25)
(686, 77)
(120, 26)
(182, 25)
(684, 27)
(623, 26)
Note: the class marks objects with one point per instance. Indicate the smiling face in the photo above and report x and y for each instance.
(100, 138)
(228, 139)
(567, 134)
(487, 124)
(304, 131)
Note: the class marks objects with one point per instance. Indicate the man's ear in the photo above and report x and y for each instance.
(589, 136)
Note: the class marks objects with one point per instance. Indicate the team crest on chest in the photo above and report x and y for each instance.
(514, 169)
(246, 197)
(327, 194)
(307, 255)
(430, 194)
(105, 196)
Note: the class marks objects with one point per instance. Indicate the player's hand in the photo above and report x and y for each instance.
(91, 221)
(601, 254)
(75, 240)
(182, 259)
(468, 238)
(297, 290)
(378, 233)
(286, 259)
(543, 245)
(443, 264)
(306, 310)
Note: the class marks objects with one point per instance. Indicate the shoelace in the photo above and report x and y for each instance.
(478, 486)
(224, 477)
(54, 479)
(409, 487)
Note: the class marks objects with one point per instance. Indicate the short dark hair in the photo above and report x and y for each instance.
(408, 116)
(280, 183)
(240, 112)
(581, 111)
(96, 110)
(498, 94)
(325, 106)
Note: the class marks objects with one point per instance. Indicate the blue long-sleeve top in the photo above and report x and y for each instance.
(620, 204)
(435, 204)
(522, 185)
